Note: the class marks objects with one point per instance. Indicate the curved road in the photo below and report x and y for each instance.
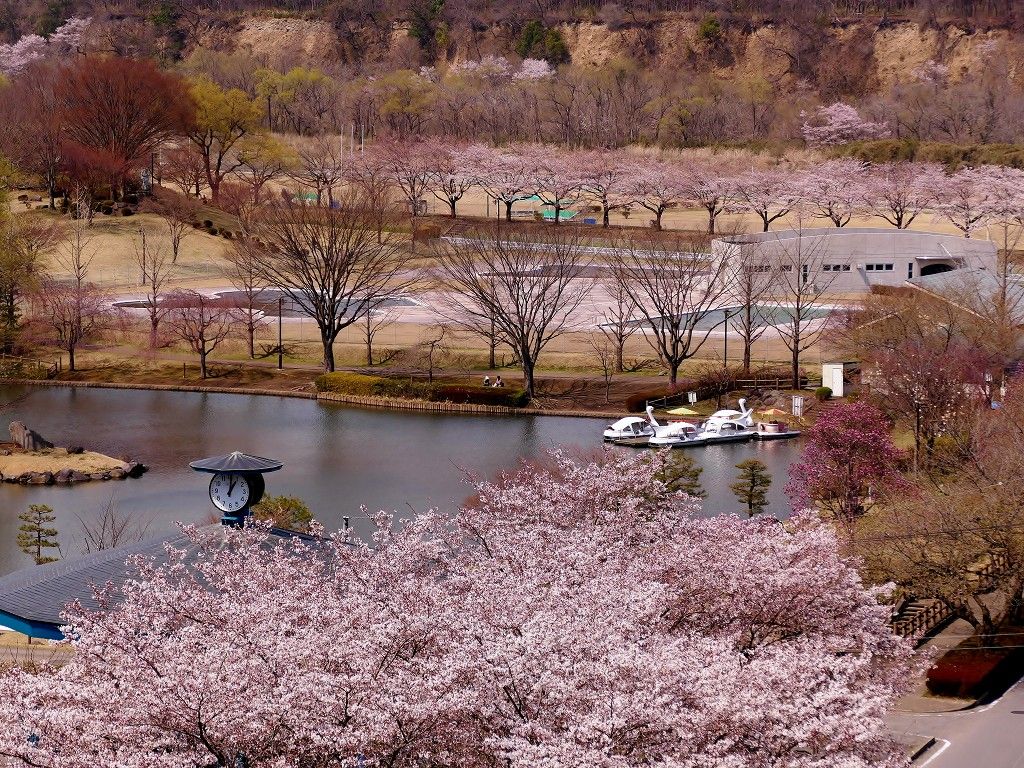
(989, 736)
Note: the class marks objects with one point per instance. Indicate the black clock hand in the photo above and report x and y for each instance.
(231, 486)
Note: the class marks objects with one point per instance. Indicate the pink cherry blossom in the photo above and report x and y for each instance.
(574, 613)
(839, 124)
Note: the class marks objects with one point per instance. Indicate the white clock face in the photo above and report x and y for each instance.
(229, 491)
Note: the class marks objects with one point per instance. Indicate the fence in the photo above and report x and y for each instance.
(14, 367)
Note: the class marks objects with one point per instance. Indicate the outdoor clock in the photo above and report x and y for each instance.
(232, 492)
(237, 482)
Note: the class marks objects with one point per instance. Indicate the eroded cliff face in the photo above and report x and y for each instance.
(861, 56)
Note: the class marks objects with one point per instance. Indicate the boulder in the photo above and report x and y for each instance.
(98, 476)
(64, 476)
(39, 478)
(75, 449)
(79, 477)
(117, 474)
(134, 469)
(27, 438)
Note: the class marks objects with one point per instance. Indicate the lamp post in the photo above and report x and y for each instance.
(725, 350)
(280, 339)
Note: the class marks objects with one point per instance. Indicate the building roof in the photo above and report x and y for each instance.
(846, 232)
(32, 599)
(974, 290)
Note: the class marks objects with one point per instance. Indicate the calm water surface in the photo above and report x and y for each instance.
(336, 458)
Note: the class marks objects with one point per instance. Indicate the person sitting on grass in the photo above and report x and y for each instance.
(487, 380)
(498, 382)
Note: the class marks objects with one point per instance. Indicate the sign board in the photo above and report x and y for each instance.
(691, 397)
(798, 405)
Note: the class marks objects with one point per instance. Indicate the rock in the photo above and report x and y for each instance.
(64, 476)
(5, 452)
(27, 438)
(98, 476)
(79, 477)
(75, 449)
(39, 478)
(134, 469)
(117, 474)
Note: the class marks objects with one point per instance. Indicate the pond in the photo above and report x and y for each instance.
(336, 458)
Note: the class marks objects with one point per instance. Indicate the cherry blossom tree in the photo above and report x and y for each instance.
(898, 192)
(66, 39)
(834, 190)
(573, 614)
(849, 463)
(657, 186)
(710, 186)
(449, 177)
(839, 124)
(605, 177)
(556, 178)
(964, 199)
(410, 166)
(504, 174)
(768, 193)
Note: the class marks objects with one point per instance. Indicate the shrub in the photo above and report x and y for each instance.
(131, 199)
(478, 395)
(106, 210)
(207, 223)
(710, 30)
(212, 231)
(127, 212)
(823, 393)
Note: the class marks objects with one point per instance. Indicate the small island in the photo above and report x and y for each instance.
(28, 459)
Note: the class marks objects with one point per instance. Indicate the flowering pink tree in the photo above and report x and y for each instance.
(768, 193)
(898, 192)
(710, 186)
(605, 175)
(410, 167)
(834, 190)
(839, 124)
(449, 177)
(848, 464)
(504, 174)
(65, 40)
(657, 186)
(965, 198)
(576, 614)
(556, 177)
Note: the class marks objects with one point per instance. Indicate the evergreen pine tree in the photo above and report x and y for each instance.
(34, 537)
(751, 488)
(682, 474)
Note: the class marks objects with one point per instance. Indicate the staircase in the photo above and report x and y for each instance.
(917, 617)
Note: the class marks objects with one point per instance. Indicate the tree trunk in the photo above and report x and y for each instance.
(251, 340)
(71, 357)
(328, 353)
(796, 364)
(369, 351)
(604, 216)
(452, 204)
(711, 222)
(657, 220)
(746, 356)
(508, 210)
(619, 356)
(202, 364)
(764, 219)
(673, 374)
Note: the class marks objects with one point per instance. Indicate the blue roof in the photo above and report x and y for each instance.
(36, 596)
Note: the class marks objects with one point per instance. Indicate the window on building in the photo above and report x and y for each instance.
(835, 267)
(805, 271)
(887, 267)
(910, 270)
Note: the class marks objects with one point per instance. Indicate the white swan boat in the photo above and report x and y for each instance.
(632, 430)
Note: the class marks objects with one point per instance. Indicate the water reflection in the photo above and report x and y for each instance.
(336, 458)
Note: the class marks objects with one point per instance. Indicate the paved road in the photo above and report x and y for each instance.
(990, 736)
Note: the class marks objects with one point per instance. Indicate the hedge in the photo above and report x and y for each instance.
(349, 383)
(970, 671)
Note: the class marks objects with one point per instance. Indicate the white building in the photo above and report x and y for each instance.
(851, 260)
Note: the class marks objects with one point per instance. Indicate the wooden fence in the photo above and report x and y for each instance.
(13, 366)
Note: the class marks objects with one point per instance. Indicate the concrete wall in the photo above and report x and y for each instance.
(852, 260)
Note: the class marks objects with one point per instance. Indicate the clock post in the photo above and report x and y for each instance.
(237, 483)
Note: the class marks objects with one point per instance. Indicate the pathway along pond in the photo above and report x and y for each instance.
(336, 458)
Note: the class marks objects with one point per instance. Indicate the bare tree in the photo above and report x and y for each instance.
(432, 346)
(244, 259)
(617, 322)
(675, 288)
(155, 270)
(330, 264)
(800, 285)
(74, 309)
(753, 281)
(201, 322)
(320, 165)
(529, 288)
(177, 213)
(110, 528)
(375, 319)
(607, 354)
